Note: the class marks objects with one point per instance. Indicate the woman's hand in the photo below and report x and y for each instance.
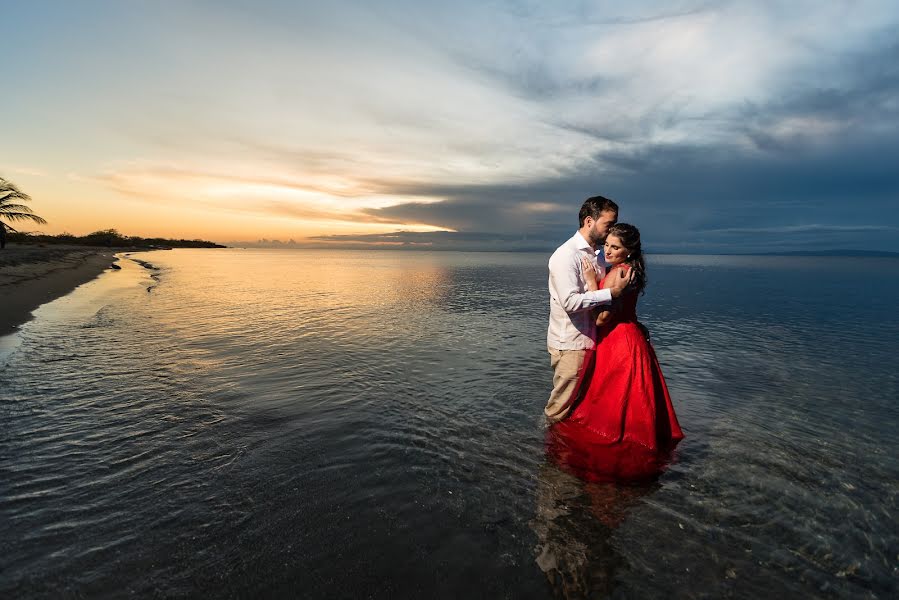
(589, 274)
(620, 281)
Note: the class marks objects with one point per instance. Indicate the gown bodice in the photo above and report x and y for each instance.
(626, 306)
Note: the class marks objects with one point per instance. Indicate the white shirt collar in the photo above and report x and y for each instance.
(582, 243)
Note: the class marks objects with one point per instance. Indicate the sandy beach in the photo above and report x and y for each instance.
(34, 275)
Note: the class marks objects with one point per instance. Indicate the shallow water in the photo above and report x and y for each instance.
(344, 424)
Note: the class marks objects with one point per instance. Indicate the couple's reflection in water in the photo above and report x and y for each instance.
(585, 492)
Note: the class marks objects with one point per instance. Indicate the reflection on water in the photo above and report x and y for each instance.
(575, 524)
(578, 452)
(349, 424)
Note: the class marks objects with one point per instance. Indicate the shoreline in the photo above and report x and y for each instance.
(31, 276)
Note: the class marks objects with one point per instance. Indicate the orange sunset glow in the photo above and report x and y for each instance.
(482, 127)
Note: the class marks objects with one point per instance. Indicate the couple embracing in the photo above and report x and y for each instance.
(608, 387)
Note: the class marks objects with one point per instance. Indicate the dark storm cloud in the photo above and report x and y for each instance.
(813, 167)
(686, 197)
(861, 97)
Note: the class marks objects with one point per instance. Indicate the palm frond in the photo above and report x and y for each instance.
(7, 184)
(14, 207)
(18, 216)
(9, 190)
(7, 195)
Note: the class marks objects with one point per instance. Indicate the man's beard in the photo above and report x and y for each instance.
(596, 240)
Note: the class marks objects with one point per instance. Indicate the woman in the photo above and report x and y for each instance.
(625, 423)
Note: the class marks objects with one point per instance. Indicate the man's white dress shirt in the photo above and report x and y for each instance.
(571, 325)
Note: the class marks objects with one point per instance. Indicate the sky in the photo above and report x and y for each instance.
(716, 126)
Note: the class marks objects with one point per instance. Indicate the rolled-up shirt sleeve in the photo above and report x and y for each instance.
(566, 286)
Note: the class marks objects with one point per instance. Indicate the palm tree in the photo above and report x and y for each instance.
(13, 209)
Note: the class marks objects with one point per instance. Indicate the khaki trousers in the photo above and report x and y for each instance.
(567, 365)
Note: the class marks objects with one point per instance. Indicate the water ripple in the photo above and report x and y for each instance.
(368, 424)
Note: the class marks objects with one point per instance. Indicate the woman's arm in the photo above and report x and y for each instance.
(603, 317)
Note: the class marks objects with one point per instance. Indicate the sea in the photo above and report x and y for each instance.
(247, 423)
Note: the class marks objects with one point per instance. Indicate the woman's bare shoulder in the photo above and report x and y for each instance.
(614, 271)
(619, 267)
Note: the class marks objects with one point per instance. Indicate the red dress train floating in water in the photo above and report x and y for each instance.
(624, 426)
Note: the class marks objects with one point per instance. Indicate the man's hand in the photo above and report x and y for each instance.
(620, 283)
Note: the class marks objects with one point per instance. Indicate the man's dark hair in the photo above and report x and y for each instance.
(595, 205)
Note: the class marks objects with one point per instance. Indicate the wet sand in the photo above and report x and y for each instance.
(34, 275)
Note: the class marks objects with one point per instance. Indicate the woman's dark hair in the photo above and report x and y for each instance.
(593, 207)
(630, 239)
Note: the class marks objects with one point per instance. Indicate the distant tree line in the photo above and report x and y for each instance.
(14, 209)
(106, 237)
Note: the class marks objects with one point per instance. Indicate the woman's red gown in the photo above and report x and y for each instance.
(624, 426)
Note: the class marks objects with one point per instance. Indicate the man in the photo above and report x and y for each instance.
(572, 330)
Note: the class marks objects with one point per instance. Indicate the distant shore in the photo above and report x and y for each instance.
(34, 275)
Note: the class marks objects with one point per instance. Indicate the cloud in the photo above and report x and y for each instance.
(441, 240)
(314, 196)
(811, 228)
(712, 123)
(25, 170)
(816, 147)
(680, 195)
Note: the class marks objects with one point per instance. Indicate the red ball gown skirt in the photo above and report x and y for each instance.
(624, 426)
